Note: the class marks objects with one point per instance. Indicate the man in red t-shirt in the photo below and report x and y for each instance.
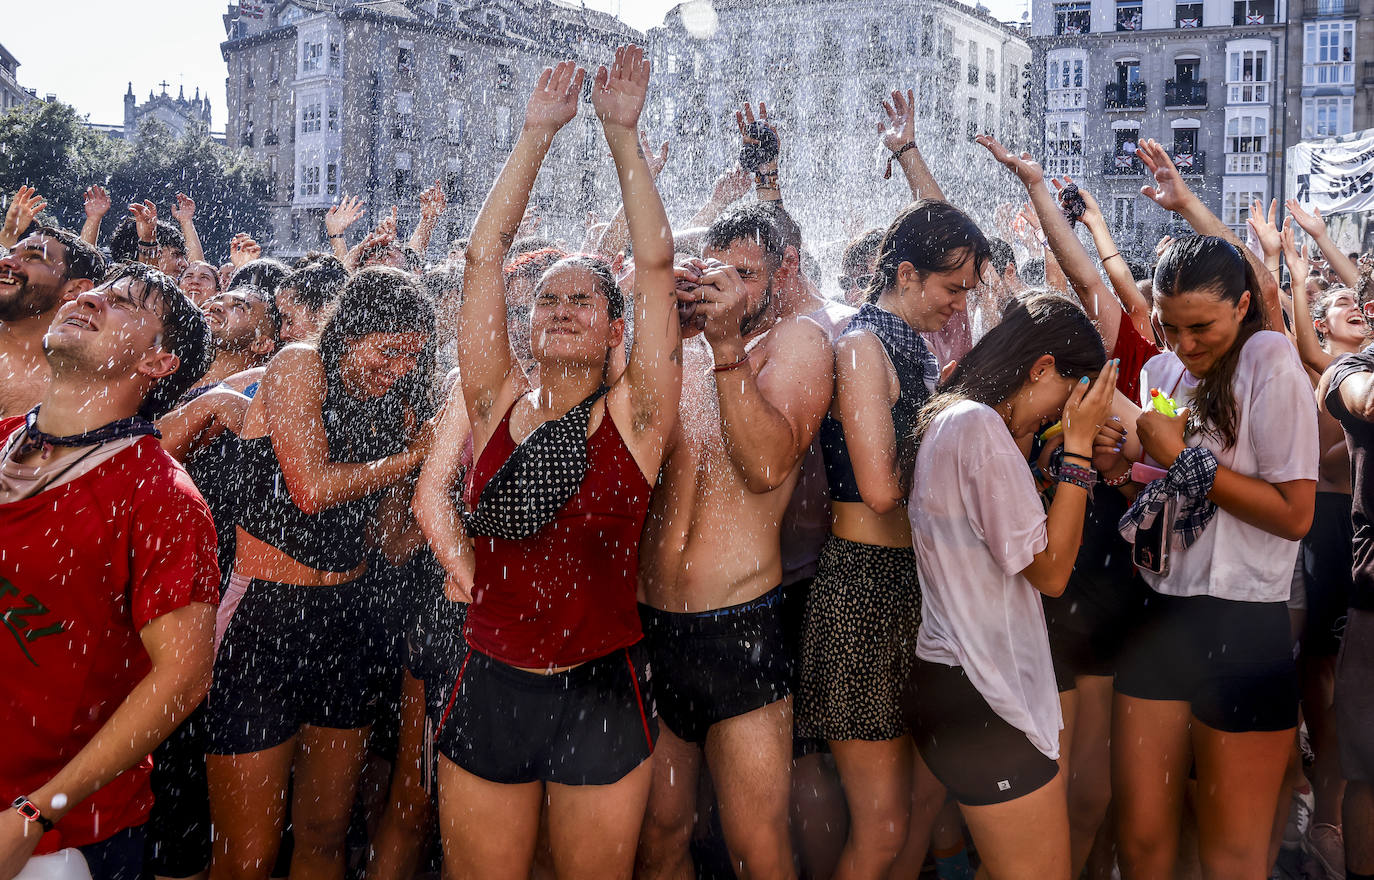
(108, 577)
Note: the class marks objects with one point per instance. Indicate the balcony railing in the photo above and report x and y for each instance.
(1185, 94)
(1191, 164)
(1067, 99)
(1247, 93)
(1125, 97)
(1121, 165)
(1330, 8)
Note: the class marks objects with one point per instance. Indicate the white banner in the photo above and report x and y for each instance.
(1336, 175)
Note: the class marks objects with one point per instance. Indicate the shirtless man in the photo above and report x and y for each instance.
(755, 387)
(46, 269)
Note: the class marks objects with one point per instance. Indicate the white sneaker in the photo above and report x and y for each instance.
(1326, 845)
(1299, 818)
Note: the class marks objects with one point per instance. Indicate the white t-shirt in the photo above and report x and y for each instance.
(1276, 442)
(976, 522)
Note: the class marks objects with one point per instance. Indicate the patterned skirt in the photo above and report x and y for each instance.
(859, 642)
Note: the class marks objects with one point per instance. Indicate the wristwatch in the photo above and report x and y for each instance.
(29, 810)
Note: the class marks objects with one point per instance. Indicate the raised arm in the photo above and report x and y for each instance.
(1265, 229)
(25, 205)
(1314, 357)
(185, 213)
(899, 139)
(96, 201)
(1072, 257)
(729, 188)
(433, 204)
(484, 355)
(1315, 226)
(767, 182)
(614, 237)
(434, 505)
(337, 220)
(292, 393)
(654, 374)
(1171, 193)
(1118, 272)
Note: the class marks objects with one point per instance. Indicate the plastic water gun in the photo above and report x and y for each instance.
(1163, 404)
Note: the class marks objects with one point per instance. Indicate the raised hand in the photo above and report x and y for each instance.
(1169, 191)
(433, 203)
(656, 161)
(900, 128)
(96, 201)
(243, 249)
(1293, 254)
(185, 211)
(1088, 408)
(553, 104)
(732, 186)
(1312, 224)
(388, 224)
(1093, 210)
(343, 215)
(25, 205)
(1266, 228)
(618, 93)
(1027, 170)
(145, 220)
(744, 117)
(1163, 245)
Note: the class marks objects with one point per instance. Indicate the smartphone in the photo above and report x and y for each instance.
(1151, 549)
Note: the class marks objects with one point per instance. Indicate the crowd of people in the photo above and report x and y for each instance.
(642, 557)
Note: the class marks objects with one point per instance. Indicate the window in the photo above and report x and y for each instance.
(401, 180)
(1247, 75)
(1127, 139)
(296, 219)
(455, 67)
(1073, 17)
(1253, 12)
(501, 131)
(927, 34)
(248, 81)
(1247, 143)
(1328, 53)
(405, 103)
(310, 118)
(453, 181)
(404, 60)
(973, 76)
(1235, 206)
(990, 119)
(1327, 116)
(1013, 81)
(1188, 15)
(334, 56)
(331, 179)
(990, 68)
(310, 180)
(505, 77)
(455, 122)
(1064, 137)
(972, 118)
(333, 117)
(1123, 212)
(1185, 141)
(311, 54)
(1129, 15)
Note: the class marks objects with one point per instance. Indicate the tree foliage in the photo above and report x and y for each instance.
(48, 147)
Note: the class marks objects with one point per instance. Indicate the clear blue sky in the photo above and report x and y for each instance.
(104, 45)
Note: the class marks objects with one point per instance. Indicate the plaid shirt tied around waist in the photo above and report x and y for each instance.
(1189, 479)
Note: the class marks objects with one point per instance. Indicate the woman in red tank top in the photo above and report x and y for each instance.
(551, 697)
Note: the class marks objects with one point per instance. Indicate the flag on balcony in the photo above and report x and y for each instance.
(251, 10)
(1254, 18)
(1189, 22)
(1072, 29)
(1124, 161)
(1132, 23)
(1184, 160)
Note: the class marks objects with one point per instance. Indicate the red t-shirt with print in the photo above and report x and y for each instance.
(1133, 350)
(84, 566)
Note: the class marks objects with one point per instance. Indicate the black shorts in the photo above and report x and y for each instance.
(1355, 698)
(590, 725)
(976, 754)
(178, 829)
(718, 664)
(292, 656)
(1328, 562)
(1088, 638)
(1232, 662)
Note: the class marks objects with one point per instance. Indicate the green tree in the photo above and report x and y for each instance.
(49, 147)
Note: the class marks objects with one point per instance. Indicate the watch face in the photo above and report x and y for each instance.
(26, 809)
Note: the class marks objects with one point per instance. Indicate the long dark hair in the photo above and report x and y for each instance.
(933, 237)
(1198, 263)
(1032, 327)
(379, 299)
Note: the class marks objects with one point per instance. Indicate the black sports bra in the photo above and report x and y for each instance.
(912, 361)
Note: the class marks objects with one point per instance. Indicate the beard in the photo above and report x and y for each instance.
(27, 301)
(754, 321)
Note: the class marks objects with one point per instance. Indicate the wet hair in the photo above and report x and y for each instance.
(602, 274)
(264, 272)
(443, 282)
(787, 227)
(1034, 271)
(1032, 326)
(267, 298)
(527, 244)
(380, 299)
(82, 260)
(1207, 264)
(932, 236)
(531, 265)
(1001, 255)
(752, 223)
(184, 334)
(310, 258)
(124, 239)
(318, 285)
(860, 253)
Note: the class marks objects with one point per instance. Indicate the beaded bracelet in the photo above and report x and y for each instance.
(1118, 482)
(1075, 475)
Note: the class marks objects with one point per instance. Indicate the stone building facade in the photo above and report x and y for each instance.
(1205, 78)
(1330, 69)
(823, 69)
(380, 98)
(180, 114)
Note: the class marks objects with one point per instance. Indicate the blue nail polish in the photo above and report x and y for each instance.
(1084, 380)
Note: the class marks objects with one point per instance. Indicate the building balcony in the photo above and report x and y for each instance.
(1247, 93)
(1330, 8)
(1192, 164)
(269, 138)
(1125, 97)
(1067, 99)
(1121, 165)
(1186, 94)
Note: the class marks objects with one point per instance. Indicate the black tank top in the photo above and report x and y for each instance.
(913, 362)
(331, 540)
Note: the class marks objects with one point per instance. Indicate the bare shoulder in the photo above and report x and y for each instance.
(799, 341)
(297, 359)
